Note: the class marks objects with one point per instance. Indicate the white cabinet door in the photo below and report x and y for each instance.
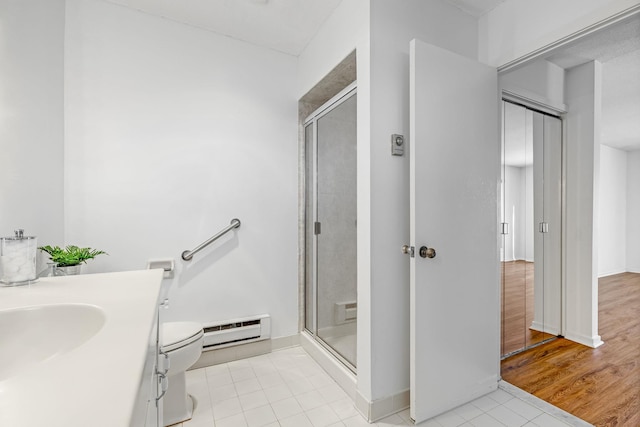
(455, 156)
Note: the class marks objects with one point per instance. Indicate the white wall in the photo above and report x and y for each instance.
(540, 81)
(172, 131)
(582, 139)
(383, 180)
(439, 23)
(633, 211)
(612, 222)
(517, 27)
(345, 30)
(31, 119)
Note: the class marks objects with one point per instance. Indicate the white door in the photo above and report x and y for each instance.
(455, 173)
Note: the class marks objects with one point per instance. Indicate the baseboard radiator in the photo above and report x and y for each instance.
(236, 331)
(346, 311)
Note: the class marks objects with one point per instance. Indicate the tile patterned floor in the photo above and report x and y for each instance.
(287, 388)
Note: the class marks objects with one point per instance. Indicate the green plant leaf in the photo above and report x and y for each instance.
(70, 255)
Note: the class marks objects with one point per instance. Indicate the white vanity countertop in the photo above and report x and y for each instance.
(96, 383)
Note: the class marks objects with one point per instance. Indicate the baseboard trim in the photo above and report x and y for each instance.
(378, 409)
(541, 327)
(612, 273)
(593, 342)
(243, 351)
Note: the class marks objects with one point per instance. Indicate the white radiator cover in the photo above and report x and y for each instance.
(345, 311)
(236, 331)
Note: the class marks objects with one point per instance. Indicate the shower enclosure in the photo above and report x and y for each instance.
(330, 226)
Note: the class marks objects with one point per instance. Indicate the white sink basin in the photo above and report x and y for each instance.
(32, 335)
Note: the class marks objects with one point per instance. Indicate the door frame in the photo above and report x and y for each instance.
(560, 110)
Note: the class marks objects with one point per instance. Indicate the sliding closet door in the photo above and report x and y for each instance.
(531, 227)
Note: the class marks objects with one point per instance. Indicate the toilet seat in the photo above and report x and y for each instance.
(176, 335)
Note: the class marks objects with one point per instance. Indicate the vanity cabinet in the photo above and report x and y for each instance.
(148, 411)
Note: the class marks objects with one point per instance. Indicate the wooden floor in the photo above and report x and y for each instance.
(602, 385)
(518, 307)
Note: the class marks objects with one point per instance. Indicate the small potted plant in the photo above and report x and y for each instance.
(70, 259)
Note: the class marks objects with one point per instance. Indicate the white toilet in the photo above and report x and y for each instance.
(182, 342)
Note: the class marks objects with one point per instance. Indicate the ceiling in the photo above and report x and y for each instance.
(283, 25)
(288, 25)
(618, 49)
(476, 8)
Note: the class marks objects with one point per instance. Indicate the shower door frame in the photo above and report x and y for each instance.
(312, 119)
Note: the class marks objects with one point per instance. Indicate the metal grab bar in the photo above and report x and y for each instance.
(187, 255)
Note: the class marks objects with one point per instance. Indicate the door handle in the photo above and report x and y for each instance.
(426, 252)
(408, 250)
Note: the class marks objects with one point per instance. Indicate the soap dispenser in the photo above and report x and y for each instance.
(18, 259)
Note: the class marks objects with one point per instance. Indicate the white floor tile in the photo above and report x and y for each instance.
(218, 394)
(450, 419)
(247, 386)
(485, 403)
(286, 388)
(357, 421)
(270, 380)
(429, 423)
(332, 392)
(242, 373)
(546, 420)
(220, 379)
(507, 416)
(299, 386)
(215, 369)
(259, 417)
(253, 400)
(311, 399)
(468, 411)
(234, 421)
(322, 416)
(485, 420)
(344, 408)
(195, 375)
(286, 408)
(239, 364)
(321, 380)
(227, 408)
(500, 396)
(299, 420)
(523, 408)
(278, 392)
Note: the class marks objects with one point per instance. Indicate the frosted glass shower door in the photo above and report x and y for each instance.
(330, 212)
